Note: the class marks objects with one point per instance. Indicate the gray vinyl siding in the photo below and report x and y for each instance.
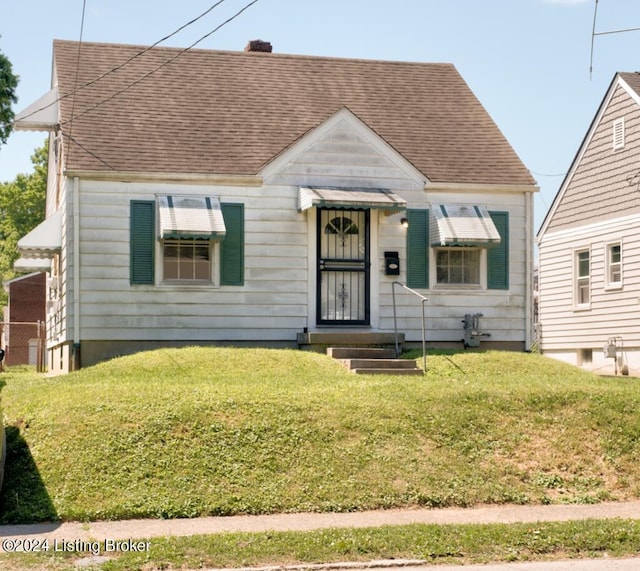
(600, 188)
(612, 311)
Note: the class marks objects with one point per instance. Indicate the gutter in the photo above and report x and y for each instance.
(76, 263)
(528, 197)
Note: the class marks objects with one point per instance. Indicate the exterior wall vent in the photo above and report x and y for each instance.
(618, 134)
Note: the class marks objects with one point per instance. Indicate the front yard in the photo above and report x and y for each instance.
(196, 431)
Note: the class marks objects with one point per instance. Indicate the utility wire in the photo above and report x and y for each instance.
(544, 174)
(127, 62)
(79, 144)
(167, 62)
(593, 37)
(594, 34)
(73, 101)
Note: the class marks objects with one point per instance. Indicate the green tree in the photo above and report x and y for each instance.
(8, 84)
(22, 208)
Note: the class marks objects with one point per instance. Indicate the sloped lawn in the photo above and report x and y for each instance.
(221, 431)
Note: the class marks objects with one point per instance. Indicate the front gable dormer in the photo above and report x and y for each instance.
(343, 152)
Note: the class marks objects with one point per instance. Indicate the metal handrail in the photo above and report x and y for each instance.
(395, 321)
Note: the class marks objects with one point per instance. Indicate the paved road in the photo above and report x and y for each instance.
(576, 565)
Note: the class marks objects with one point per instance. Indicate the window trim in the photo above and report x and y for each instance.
(577, 277)
(612, 285)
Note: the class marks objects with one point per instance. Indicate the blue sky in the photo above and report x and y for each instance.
(526, 60)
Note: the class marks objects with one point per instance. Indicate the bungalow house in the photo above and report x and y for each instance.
(212, 197)
(589, 243)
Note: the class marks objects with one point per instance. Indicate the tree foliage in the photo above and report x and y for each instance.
(22, 208)
(8, 84)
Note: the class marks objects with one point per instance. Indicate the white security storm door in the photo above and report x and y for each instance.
(343, 267)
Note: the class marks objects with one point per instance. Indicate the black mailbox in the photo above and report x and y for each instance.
(391, 264)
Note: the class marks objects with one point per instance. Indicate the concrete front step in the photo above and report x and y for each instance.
(320, 340)
(373, 361)
(378, 364)
(379, 371)
(361, 353)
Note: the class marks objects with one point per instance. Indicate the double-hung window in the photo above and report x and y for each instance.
(582, 278)
(614, 265)
(458, 266)
(465, 246)
(184, 259)
(197, 240)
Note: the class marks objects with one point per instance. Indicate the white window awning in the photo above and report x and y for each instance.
(194, 217)
(28, 265)
(44, 240)
(378, 198)
(462, 225)
(42, 115)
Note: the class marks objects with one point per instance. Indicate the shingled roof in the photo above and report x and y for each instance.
(231, 113)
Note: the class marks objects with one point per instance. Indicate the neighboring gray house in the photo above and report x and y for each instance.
(205, 197)
(589, 243)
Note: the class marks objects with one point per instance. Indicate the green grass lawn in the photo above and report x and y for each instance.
(221, 431)
(447, 544)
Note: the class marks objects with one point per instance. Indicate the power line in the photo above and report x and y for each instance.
(544, 174)
(167, 62)
(73, 101)
(79, 144)
(593, 37)
(127, 62)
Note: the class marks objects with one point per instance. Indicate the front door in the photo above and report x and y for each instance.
(343, 267)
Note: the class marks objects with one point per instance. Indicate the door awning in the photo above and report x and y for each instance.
(378, 198)
(44, 240)
(462, 225)
(194, 217)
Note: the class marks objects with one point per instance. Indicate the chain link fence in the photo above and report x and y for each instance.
(23, 344)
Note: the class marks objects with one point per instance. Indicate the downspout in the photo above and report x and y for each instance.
(76, 272)
(528, 271)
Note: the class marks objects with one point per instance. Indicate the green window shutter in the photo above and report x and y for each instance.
(418, 249)
(498, 256)
(232, 247)
(142, 241)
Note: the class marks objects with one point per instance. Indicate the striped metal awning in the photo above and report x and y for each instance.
(378, 198)
(194, 217)
(462, 225)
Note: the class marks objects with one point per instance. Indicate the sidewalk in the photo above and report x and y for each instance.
(146, 529)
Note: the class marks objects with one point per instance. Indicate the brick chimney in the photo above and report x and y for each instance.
(258, 46)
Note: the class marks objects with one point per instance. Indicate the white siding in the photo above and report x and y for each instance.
(504, 311)
(277, 300)
(272, 303)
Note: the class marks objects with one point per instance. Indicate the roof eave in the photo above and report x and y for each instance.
(191, 178)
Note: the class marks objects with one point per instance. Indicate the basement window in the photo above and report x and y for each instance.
(585, 357)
